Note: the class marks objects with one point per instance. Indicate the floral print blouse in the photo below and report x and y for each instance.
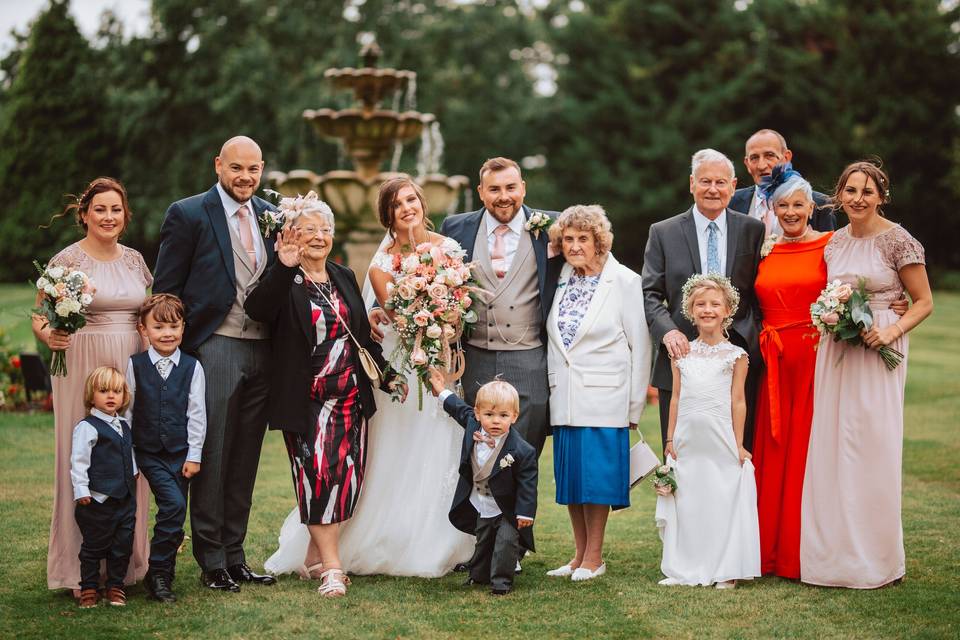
(574, 304)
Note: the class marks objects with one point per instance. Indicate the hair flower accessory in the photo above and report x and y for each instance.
(711, 281)
(537, 222)
(778, 176)
(289, 209)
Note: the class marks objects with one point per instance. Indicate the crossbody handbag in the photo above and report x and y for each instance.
(366, 360)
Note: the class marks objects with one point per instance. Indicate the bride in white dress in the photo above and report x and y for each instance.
(400, 525)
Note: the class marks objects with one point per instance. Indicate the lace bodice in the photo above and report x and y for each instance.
(877, 258)
(390, 262)
(121, 284)
(706, 375)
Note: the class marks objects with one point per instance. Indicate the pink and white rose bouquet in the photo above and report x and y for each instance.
(431, 301)
(844, 312)
(65, 296)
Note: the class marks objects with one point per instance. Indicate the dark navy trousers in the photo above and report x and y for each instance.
(107, 532)
(163, 472)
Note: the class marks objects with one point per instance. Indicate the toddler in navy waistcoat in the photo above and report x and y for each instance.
(169, 422)
(103, 472)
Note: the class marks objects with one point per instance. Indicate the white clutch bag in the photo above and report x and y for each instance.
(643, 462)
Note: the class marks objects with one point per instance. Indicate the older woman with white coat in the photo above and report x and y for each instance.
(598, 359)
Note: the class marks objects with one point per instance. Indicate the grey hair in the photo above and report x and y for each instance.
(792, 185)
(705, 156)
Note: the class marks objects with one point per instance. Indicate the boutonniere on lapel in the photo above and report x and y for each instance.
(537, 222)
(768, 244)
(272, 221)
(506, 461)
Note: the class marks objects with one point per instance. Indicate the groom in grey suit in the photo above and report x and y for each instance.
(509, 339)
(681, 246)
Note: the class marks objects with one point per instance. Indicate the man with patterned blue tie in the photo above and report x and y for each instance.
(707, 238)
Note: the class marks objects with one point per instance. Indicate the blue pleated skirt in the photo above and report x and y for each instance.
(591, 465)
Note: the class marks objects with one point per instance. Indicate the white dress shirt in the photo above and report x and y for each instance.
(759, 211)
(196, 403)
(230, 206)
(85, 436)
(702, 236)
(511, 239)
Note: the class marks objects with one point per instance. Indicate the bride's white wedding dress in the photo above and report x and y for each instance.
(400, 525)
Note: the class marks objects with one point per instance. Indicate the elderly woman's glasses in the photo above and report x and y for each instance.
(310, 230)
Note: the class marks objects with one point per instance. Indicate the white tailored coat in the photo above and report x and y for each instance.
(601, 380)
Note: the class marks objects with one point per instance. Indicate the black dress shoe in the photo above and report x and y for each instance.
(500, 591)
(220, 580)
(160, 587)
(460, 567)
(242, 573)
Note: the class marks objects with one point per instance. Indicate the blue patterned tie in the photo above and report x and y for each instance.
(713, 253)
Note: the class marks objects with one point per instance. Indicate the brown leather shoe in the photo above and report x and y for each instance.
(116, 597)
(88, 598)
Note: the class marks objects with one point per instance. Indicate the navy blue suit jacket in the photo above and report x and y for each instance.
(513, 486)
(463, 227)
(195, 262)
(823, 218)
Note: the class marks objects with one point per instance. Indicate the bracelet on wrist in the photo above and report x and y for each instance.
(897, 325)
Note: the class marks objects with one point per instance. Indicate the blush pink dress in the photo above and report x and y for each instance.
(850, 529)
(109, 338)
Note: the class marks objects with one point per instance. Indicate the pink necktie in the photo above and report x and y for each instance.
(246, 237)
(498, 258)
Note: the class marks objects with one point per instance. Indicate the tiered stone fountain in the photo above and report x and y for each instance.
(368, 135)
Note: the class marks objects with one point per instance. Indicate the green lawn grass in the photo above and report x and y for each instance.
(624, 603)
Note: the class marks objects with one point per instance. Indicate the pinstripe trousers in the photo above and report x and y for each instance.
(527, 371)
(237, 376)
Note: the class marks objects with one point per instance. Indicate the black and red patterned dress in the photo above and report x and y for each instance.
(328, 468)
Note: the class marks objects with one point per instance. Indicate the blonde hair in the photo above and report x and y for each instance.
(583, 217)
(497, 394)
(106, 379)
(700, 282)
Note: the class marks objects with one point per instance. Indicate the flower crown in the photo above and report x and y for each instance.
(697, 281)
(293, 208)
(778, 176)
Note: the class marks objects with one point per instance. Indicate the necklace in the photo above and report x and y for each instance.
(799, 238)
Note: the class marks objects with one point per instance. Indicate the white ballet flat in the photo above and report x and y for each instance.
(726, 584)
(581, 574)
(669, 582)
(561, 572)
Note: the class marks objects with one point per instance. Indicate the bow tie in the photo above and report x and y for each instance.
(480, 436)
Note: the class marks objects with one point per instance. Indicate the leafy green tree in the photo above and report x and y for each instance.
(54, 138)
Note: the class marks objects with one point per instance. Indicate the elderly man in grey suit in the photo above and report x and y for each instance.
(512, 263)
(212, 254)
(706, 238)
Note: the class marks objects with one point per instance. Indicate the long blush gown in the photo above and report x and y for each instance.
(850, 528)
(109, 339)
(788, 281)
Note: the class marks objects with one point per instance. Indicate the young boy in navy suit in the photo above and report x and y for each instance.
(496, 497)
(104, 473)
(169, 419)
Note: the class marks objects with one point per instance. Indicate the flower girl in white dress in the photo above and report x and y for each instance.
(709, 524)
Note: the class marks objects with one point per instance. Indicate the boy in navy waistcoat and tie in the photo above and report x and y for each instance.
(104, 472)
(496, 497)
(169, 422)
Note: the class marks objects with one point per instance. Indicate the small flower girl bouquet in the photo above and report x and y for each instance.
(665, 479)
(844, 312)
(66, 294)
(431, 301)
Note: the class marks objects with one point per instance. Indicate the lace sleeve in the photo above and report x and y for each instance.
(383, 261)
(71, 257)
(733, 354)
(135, 262)
(900, 249)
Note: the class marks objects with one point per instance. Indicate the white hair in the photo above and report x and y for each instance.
(708, 156)
(308, 205)
(792, 185)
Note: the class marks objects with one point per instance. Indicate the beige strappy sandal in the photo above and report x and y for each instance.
(333, 584)
(312, 572)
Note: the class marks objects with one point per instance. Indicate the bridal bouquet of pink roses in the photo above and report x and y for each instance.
(66, 294)
(844, 312)
(431, 300)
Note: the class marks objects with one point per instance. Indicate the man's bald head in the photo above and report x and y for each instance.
(239, 167)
